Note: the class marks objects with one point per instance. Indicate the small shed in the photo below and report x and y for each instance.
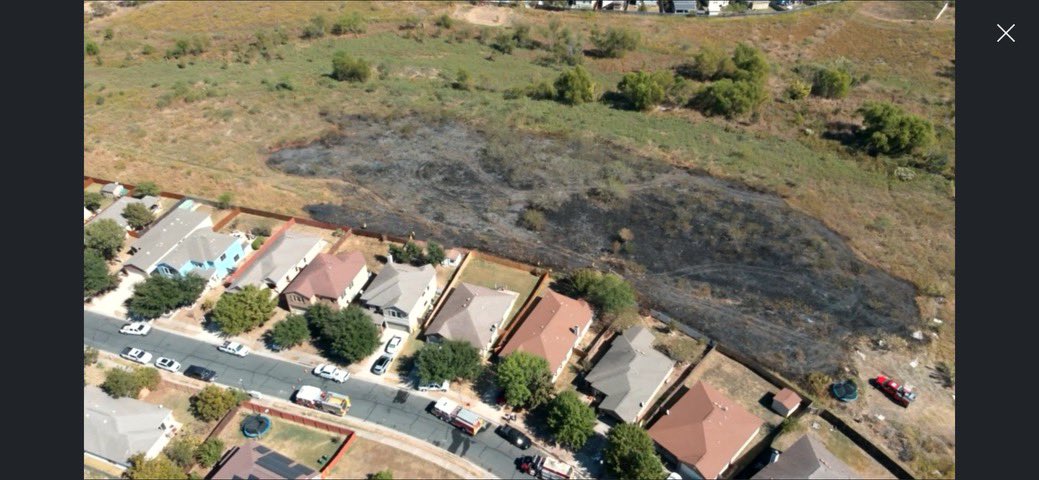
(786, 402)
(113, 189)
(452, 257)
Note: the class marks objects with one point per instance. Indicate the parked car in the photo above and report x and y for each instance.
(393, 344)
(136, 355)
(381, 365)
(200, 373)
(136, 328)
(434, 387)
(331, 372)
(168, 364)
(513, 436)
(234, 348)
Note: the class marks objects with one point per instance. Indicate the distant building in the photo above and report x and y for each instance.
(786, 402)
(473, 314)
(715, 7)
(330, 279)
(630, 374)
(400, 295)
(114, 429)
(552, 330)
(252, 460)
(759, 4)
(685, 6)
(806, 458)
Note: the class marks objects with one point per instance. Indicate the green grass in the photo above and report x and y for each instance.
(298, 442)
(492, 275)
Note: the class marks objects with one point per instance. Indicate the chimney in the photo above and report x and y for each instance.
(667, 412)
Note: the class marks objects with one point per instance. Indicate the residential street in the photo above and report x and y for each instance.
(390, 407)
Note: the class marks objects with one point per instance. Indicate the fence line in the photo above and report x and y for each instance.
(506, 262)
(521, 314)
(296, 418)
(257, 254)
(331, 463)
(872, 449)
(447, 288)
(227, 219)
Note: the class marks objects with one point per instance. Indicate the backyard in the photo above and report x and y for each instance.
(303, 444)
(485, 273)
(836, 442)
(366, 457)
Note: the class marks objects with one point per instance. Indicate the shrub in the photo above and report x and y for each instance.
(258, 242)
(798, 90)
(504, 43)
(411, 22)
(386, 474)
(289, 332)
(533, 220)
(316, 28)
(463, 81)
(444, 21)
(819, 384)
(434, 253)
(347, 68)
(129, 383)
(711, 64)
(575, 86)
(145, 189)
(182, 451)
(261, 230)
(213, 402)
(188, 46)
(158, 467)
(644, 91)
(750, 63)
(92, 200)
(224, 201)
(109, 34)
(889, 130)
(614, 42)
(90, 47)
(608, 292)
(730, 98)
(147, 50)
(831, 83)
(567, 47)
(90, 355)
(352, 23)
(244, 310)
(521, 34)
(209, 452)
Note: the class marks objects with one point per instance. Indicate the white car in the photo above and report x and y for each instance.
(393, 345)
(331, 372)
(234, 348)
(168, 364)
(136, 328)
(434, 387)
(136, 355)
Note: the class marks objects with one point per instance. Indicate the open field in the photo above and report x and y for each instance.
(303, 444)
(492, 275)
(366, 457)
(836, 442)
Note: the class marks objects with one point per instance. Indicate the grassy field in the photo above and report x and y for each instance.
(303, 444)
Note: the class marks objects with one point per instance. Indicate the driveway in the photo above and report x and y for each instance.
(384, 405)
(111, 303)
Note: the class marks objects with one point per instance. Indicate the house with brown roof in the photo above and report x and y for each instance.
(705, 432)
(552, 330)
(785, 402)
(806, 458)
(473, 314)
(331, 279)
(252, 460)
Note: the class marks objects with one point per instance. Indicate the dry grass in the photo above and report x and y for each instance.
(372, 249)
(180, 402)
(836, 442)
(303, 444)
(366, 457)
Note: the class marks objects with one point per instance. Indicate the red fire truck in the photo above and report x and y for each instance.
(463, 418)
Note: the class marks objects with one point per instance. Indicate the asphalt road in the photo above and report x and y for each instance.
(387, 406)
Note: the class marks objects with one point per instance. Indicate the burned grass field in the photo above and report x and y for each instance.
(739, 265)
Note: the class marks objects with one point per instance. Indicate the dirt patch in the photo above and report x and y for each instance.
(366, 457)
(485, 15)
(739, 265)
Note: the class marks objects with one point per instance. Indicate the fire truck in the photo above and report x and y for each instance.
(463, 418)
(317, 399)
(546, 468)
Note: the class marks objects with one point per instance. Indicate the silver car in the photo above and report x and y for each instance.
(168, 364)
(136, 355)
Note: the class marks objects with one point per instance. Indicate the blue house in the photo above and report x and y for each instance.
(205, 253)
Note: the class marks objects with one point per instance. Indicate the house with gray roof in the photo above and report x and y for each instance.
(164, 236)
(806, 458)
(116, 209)
(113, 189)
(114, 429)
(630, 374)
(472, 314)
(400, 295)
(205, 253)
(279, 261)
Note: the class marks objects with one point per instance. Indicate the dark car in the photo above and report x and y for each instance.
(380, 366)
(514, 436)
(201, 373)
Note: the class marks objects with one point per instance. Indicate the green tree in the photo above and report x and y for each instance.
(244, 310)
(608, 292)
(349, 335)
(533, 219)
(92, 200)
(409, 253)
(90, 355)
(159, 294)
(889, 130)
(386, 474)
(831, 83)
(90, 47)
(630, 453)
(181, 450)
(129, 383)
(104, 236)
(213, 402)
(570, 420)
(751, 64)
(567, 47)
(351, 23)
(614, 42)
(644, 90)
(316, 28)
(711, 64)
(575, 86)
(798, 90)
(434, 253)
(347, 68)
(223, 202)
(730, 98)
(258, 242)
(289, 332)
(158, 467)
(96, 278)
(447, 360)
(138, 215)
(145, 189)
(209, 452)
(521, 375)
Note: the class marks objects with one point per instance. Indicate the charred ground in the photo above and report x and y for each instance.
(741, 266)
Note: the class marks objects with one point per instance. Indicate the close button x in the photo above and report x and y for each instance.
(1006, 33)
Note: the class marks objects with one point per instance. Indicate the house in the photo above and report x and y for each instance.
(552, 330)
(400, 295)
(630, 374)
(473, 314)
(714, 7)
(116, 209)
(162, 237)
(452, 257)
(279, 261)
(704, 432)
(331, 279)
(684, 6)
(785, 402)
(205, 253)
(114, 429)
(759, 4)
(114, 190)
(252, 460)
(581, 4)
(806, 458)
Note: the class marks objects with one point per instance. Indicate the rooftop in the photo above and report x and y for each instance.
(472, 313)
(116, 428)
(277, 260)
(255, 461)
(551, 328)
(630, 372)
(328, 275)
(399, 286)
(164, 235)
(806, 458)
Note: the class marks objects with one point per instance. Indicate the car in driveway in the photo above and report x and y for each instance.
(434, 386)
(136, 355)
(136, 328)
(200, 373)
(513, 436)
(331, 372)
(381, 365)
(168, 364)
(234, 348)
(393, 345)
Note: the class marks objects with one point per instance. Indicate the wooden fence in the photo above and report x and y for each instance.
(296, 418)
(521, 314)
(259, 253)
(227, 219)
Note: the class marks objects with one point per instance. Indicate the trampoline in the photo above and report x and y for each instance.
(845, 391)
(255, 426)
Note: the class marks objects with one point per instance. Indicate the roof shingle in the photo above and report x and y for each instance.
(550, 330)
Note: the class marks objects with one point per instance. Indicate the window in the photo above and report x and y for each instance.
(236, 257)
(222, 257)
